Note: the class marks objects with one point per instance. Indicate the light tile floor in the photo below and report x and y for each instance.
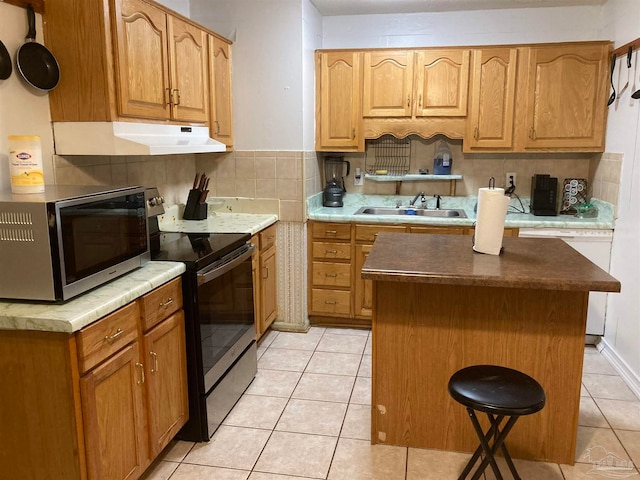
(307, 416)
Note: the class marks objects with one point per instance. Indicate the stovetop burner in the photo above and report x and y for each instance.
(197, 250)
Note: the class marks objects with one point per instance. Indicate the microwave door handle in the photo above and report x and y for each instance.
(219, 270)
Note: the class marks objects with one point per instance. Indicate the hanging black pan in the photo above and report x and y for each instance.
(5, 62)
(36, 64)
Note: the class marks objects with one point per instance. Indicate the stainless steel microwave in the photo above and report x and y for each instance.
(63, 242)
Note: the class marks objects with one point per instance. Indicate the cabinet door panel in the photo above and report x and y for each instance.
(141, 60)
(388, 82)
(566, 96)
(492, 98)
(188, 54)
(268, 287)
(339, 100)
(220, 91)
(165, 364)
(363, 296)
(442, 80)
(113, 414)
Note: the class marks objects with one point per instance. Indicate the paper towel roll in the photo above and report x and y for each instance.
(492, 211)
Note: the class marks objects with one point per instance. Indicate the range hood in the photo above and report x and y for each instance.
(127, 138)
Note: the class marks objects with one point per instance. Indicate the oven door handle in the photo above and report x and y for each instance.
(226, 264)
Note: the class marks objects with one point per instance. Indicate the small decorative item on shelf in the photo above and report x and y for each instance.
(196, 207)
(586, 210)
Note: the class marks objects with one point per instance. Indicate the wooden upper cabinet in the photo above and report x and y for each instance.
(161, 65)
(442, 80)
(221, 104)
(566, 95)
(189, 71)
(127, 59)
(142, 60)
(492, 93)
(338, 101)
(388, 83)
(422, 83)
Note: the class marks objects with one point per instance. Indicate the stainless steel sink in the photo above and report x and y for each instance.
(448, 213)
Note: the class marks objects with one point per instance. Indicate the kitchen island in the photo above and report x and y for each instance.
(439, 306)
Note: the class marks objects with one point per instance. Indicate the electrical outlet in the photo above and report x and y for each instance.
(510, 179)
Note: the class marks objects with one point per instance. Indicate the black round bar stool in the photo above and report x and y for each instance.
(502, 393)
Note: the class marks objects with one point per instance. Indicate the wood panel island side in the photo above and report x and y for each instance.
(439, 307)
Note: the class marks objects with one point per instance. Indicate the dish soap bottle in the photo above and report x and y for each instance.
(442, 161)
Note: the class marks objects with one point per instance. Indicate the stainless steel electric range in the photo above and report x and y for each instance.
(219, 320)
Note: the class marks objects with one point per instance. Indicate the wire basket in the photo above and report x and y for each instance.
(388, 153)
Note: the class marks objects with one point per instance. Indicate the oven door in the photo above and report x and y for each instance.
(225, 312)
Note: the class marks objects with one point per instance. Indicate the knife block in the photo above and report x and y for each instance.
(194, 210)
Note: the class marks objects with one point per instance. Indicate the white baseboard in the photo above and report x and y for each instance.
(630, 378)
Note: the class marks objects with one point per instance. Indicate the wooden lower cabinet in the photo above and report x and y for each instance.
(336, 253)
(98, 404)
(363, 289)
(165, 376)
(265, 279)
(113, 417)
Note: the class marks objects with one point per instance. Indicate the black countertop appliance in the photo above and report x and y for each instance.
(544, 195)
(334, 173)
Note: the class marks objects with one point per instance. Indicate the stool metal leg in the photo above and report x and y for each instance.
(497, 443)
(474, 458)
(499, 437)
(484, 444)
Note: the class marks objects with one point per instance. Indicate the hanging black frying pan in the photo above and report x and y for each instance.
(5, 62)
(36, 64)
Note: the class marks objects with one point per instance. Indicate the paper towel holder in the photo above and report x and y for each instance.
(492, 183)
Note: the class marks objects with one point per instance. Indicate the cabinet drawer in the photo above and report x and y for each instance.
(161, 303)
(101, 339)
(368, 233)
(332, 231)
(332, 251)
(440, 230)
(267, 237)
(331, 274)
(331, 301)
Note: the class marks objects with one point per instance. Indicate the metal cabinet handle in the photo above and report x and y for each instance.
(420, 101)
(331, 232)
(331, 251)
(154, 358)
(265, 269)
(332, 275)
(217, 127)
(141, 367)
(353, 133)
(532, 133)
(475, 133)
(167, 96)
(112, 338)
(408, 100)
(167, 303)
(330, 302)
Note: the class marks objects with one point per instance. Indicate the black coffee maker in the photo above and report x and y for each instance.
(334, 173)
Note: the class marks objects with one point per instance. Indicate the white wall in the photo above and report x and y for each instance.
(311, 41)
(267, 68)
(490, 27)
(621, 21)
(23, 110)
(180, 6)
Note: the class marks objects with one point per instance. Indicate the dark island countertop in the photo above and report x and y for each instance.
(538, 263)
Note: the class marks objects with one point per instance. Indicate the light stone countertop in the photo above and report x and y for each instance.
(219, 220)
(353, 202)
(80, 311)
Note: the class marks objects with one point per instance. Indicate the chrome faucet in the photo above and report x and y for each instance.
(423, 200)
(438, 198)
